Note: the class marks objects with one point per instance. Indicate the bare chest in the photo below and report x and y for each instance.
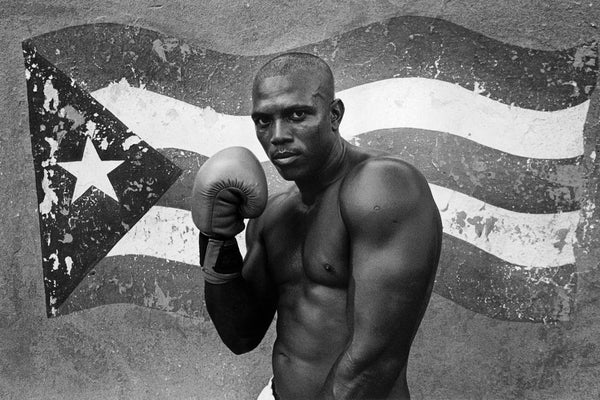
(309, 244)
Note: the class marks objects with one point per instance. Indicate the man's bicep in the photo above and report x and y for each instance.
(394, 237)
(391, 285)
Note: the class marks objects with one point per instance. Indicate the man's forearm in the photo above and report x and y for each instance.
(240, 316)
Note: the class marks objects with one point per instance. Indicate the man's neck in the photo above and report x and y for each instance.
(333, 170)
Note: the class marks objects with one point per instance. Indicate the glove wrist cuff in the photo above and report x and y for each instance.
(221, 260)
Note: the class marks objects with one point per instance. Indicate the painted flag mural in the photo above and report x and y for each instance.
(129, 115)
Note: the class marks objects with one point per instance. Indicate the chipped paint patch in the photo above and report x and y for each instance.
(585, 57)
(76, 117)
(185, 50)
(55, 262)
(50, 196)
(158, 299)
(69, 264)
(53, 148)
(587, 211)
(90, 129)
(104, 144)
(561, 235)
(130, 141)
(50, 97)
(482, 226)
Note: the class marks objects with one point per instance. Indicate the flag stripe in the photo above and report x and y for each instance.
(407, 46)
(505, 181)
(146, 281)
(416, 103)
(483, 283)
(515, 183)
(528, 240)
(444, 107)
(466, 275)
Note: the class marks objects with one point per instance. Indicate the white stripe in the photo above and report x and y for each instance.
(529, 240)
(445, 107)
(393, 103)
(167, 233)
(164, 122)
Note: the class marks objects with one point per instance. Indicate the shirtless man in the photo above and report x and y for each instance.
(346, 257)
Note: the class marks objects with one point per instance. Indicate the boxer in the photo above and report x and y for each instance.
(346, 257)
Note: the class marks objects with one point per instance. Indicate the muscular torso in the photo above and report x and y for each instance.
(308, 260)
(307, 250)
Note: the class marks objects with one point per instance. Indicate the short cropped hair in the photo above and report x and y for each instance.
(289, 63)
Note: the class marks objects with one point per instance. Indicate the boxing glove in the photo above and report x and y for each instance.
(229, 187)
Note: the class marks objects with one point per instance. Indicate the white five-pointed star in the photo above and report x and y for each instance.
(91, 171)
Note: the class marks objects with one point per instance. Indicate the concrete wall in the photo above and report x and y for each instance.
(125, 351)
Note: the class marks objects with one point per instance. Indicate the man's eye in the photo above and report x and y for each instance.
(297, 115)
(262, 122)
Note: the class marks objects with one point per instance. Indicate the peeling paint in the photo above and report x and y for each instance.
(55, 261)
(161, 48)
(51, 97)
(68, 264)
(74, 115)
(104, 144)
(67, 238)
(53, 148)
(90, 129)
(459, 220)
(585, 56)
(50, 196)
(185, 51)
(130, 141)
(482, 226)
(478, 88)
(561, 234)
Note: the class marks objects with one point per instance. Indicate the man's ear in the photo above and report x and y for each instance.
(337, 113)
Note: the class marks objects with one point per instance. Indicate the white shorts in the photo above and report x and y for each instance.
(267, 392)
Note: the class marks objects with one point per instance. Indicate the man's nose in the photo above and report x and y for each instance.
(281, 133)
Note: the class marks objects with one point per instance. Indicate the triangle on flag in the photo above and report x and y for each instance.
(94, 177)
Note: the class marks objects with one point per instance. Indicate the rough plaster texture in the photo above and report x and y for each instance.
(125, 352)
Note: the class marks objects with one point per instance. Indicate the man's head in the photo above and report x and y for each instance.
(295, 113)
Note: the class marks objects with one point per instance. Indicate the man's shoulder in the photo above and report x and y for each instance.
(384, 198)
(279, 205)
(384, 178)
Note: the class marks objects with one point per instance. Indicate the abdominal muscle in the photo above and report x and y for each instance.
(312, 332)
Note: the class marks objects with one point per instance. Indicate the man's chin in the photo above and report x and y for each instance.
(288, 174)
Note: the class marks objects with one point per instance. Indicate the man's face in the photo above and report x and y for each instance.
(292, 118)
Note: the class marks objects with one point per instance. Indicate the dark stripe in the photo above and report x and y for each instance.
(178, 196)
(487, 285)
(472, 278)
(515, 183)
(527, 185)
(142, 280)
(407, 46)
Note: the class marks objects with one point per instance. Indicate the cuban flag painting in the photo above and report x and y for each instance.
(121, 119)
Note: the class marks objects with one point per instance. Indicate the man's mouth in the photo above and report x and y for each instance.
(284, 157)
